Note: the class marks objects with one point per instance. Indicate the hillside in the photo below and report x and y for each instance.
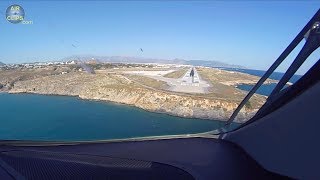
(140, 86)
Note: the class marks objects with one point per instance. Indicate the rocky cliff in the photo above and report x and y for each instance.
(117, 88)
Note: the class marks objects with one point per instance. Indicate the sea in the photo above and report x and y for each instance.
(265, 89)
(65, 118)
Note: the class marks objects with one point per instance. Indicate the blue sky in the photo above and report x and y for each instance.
(249, 33)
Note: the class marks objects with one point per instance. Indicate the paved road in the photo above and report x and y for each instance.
(185, 84)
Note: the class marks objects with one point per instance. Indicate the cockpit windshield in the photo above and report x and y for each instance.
(100, 70)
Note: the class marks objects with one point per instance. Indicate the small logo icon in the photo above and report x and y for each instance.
(15, 14)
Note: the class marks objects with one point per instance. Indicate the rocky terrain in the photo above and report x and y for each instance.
(8, 77)
(116, 86)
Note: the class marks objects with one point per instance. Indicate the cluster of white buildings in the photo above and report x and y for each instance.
(38, 64)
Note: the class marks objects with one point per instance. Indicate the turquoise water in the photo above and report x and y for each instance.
(265, 89)
(39, 117)
(260, 73)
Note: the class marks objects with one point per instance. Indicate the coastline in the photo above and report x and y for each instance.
(210, 118)
(115, 103)
(148, 94)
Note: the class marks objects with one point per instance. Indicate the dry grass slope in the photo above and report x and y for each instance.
(148, 82)
(176, 74)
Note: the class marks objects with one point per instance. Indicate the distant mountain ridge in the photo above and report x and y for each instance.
(2, 64)
(214, 64)
(128, 59)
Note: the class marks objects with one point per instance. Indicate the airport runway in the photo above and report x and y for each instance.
(185, 83)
